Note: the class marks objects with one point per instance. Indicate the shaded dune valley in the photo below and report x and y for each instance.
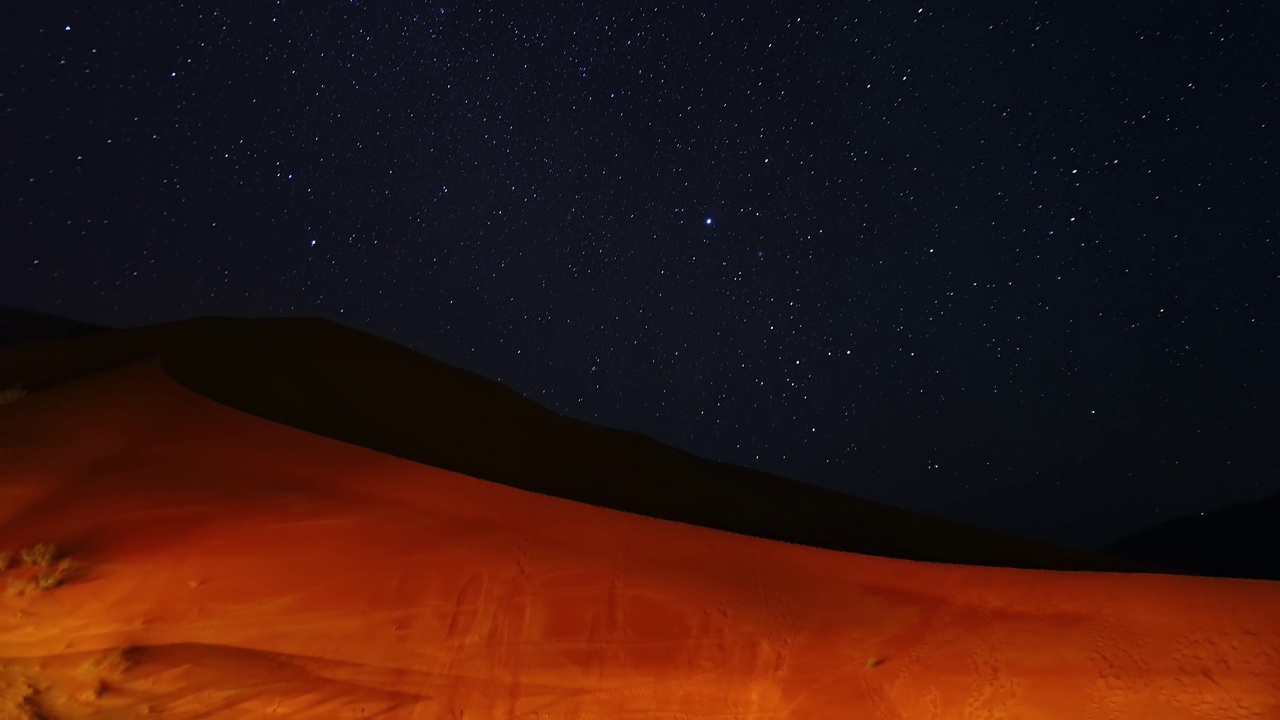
(287, 518)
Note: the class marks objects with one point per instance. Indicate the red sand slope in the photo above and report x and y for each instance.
(246, 569)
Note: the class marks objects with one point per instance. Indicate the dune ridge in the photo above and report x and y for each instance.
(351, 386)
(236, 567)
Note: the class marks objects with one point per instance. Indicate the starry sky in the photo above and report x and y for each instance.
(1013, 263)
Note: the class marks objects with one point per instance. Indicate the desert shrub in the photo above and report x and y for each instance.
(13, 394)
(53, 577)
(40, 555)
(113, 662)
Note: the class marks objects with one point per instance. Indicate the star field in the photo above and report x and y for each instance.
(1013, 264)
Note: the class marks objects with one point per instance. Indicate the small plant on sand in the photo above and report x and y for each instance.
(13, 394)
(43, 571)
(873, 662)
(40, 555)
(113, 662)
(53, 577)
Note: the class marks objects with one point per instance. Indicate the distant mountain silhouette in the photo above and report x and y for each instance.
(348, 385)
(18, 325)
(1241, 540)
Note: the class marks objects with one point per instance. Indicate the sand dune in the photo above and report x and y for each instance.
(227, 566)
(351, 386)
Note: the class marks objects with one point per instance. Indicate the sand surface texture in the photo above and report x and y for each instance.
(222, 566)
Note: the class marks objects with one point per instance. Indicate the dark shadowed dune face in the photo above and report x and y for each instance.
(1240, 540)
(344, 384)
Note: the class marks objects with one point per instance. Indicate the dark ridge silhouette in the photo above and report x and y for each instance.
(18, 325)
(1240, 541)
(325, 378)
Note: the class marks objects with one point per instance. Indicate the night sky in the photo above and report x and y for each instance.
(1014, 263)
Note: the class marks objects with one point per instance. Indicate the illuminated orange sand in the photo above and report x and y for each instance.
(254, 570)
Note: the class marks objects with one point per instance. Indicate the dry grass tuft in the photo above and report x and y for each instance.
(110, 664)
(44, 571)
(40, 555)
(54, 576)
(113, 662)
